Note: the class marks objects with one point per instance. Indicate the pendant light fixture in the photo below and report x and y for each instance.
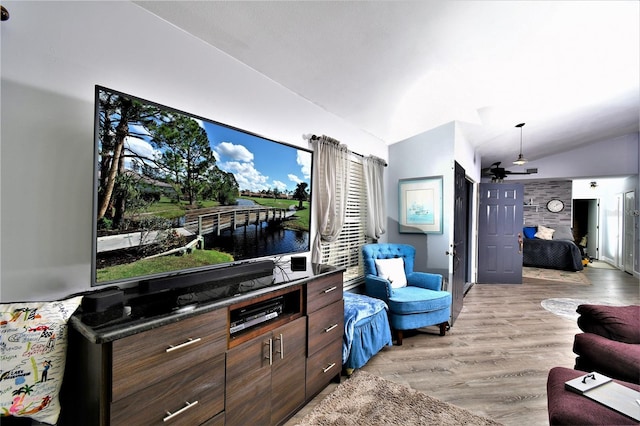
(520, 160)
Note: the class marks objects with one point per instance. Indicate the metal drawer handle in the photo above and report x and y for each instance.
(328, 329)
(330, 289)
(329, 367)
(281, 346)
(180, 411)
(191, 341)
(270, 357)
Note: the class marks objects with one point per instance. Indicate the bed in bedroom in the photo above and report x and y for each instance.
(551, 247)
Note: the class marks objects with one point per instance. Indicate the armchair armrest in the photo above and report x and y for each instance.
(425, 280)
(377, 287)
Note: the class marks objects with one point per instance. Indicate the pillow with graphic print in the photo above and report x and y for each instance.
(393, 271)
(33, 347)
(545, 233)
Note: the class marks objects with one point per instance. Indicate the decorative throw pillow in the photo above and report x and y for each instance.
(392, 270)
(33, 349)
(529, 231)
(563, 232)
(544, 233)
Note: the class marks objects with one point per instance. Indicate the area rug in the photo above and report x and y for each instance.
(578, 277)
(599, 265)
(566, 308)
(563, 307)
(366, 399)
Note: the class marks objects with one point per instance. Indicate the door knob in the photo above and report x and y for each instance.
(520, 242)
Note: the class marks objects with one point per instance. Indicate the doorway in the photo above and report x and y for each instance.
(500, 233)
(461, 241)
(585, 225)
(629, 231)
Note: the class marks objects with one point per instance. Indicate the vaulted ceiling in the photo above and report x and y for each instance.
(568, 69)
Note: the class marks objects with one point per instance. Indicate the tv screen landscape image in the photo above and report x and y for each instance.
(177, 193)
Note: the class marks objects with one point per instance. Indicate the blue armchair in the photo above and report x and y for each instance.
(419, 303)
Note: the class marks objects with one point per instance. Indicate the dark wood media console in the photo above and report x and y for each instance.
(188, 367)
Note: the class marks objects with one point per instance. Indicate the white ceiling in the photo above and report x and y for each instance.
(568, 69)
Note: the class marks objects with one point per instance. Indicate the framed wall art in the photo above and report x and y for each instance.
(420, 202)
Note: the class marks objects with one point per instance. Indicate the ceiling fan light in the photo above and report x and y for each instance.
(520, 160)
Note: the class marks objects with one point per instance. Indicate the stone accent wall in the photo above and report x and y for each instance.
(542, 192)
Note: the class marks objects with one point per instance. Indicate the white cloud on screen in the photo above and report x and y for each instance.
(247, 176)
(279, 185)
(237, 152)
(294, 178)
(304, 160)
(141, 147)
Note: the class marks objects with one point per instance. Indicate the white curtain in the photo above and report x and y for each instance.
(373, 168)
(331, 181)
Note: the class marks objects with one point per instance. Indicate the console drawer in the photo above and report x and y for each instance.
(322, 367)
(325, 326)
(323, 292)
(147, 358)
(202, 388)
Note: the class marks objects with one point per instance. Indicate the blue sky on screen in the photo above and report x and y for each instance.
(257, 163)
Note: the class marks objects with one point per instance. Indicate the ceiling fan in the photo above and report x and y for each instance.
(498, 174)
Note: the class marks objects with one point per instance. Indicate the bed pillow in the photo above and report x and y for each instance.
(392, 270)
(563, 233)
(544, 233)
(529, 231)
(33, 345)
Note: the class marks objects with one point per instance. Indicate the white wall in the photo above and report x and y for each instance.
(608, 158)
(53, 54)
(432, 153)
(428, 154)
(466, 155)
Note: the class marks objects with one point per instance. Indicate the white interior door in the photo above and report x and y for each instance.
(629, 231)
(593, 221)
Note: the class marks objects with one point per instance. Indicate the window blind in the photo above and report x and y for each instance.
(345, 251)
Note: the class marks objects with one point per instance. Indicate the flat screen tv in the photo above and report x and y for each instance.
(176, 193)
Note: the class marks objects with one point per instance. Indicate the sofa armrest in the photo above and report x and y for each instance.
(377, 287)
(614, 359)
(425, 280)
(569, 408)
(621, 323)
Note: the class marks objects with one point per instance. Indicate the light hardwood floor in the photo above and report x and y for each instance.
(495, 359)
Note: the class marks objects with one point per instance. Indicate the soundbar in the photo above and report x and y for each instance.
(248, 270)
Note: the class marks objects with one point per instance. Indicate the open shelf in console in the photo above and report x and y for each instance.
(250, 318)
